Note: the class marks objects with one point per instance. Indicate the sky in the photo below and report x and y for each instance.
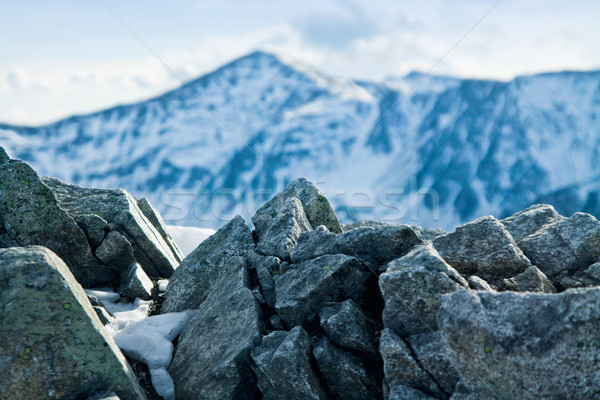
(65, 57)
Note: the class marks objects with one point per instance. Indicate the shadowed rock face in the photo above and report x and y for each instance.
(52, 345)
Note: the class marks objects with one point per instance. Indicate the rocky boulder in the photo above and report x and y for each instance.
(525, 346)
(530, 220)
(53, 346)
(31, 215)
(483, 248)
(122, 213)
(314, 203)
(190, 284)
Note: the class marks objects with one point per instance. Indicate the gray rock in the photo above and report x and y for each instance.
(102, 314)
(135, 283)
(435, 357)
(305, 289)
(412, 289)
(362, 224)
(349, 328)
(6, 241)
(428, 234)
(476, 283)
(282, 233)
(52, 345)
(315, 205)
(530, 220)
(532, 280)
(565, 246)
(373, 246)
(118, 207)
(401, 392)
(282, 363)
(585, 278)
(526, 346)
(212, 357)
(115, 251)
(401, 369)
(31, 216)
(4, 158)
(191, 282)
(158, 223)
(265, 267)
(483, 248)
(344, 373)
(94, 227)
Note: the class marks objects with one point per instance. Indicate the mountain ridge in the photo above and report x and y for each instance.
(484, 146)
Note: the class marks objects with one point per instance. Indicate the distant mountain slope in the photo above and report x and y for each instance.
(226, 141)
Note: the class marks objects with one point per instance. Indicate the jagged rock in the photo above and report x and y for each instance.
(349, 328)
(115, 251)
(588, 277)
(191, 282)
(565, 246)
(304, 290)
(526, 346)
(281, 234)
(483, 248)
(6, 241)
(476, 283)
(4, 158)
(158, 223)
(374, 246)
(532, 280)
(52, 345)
(135, 283)
(94, 227)
(344, 373)
(401, 368)
(118, 207)
(436, 358)
(530, 220)
(282, 363)
(401, 392)
(428, 234)
(412, 289)
(212, 357)
(31, 216)
(101, 312)
(265, 267)
(315, 205)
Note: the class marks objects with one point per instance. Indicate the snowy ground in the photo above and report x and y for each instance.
(188, 237)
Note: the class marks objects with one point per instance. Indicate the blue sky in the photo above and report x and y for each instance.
(62, 57)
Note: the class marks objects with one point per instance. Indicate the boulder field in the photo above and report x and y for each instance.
(301, 306)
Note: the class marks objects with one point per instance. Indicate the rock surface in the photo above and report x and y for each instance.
(212, 357)
(31, 216)
(282, 363)
(135, 283)
(526, 346)
(115, 251)
(191, 282)
(483, 248)
(314, 203)
(120, 210)
(52, 345)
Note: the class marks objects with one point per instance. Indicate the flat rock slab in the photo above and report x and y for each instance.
(191, 282)
(53, 346)
(525, 346)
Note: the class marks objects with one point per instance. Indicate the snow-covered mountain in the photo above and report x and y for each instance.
(392, 150)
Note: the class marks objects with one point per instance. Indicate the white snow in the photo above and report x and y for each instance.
(162, 285)
(188, 237)
(143, 338)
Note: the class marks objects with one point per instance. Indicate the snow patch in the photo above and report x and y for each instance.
(188, 237)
